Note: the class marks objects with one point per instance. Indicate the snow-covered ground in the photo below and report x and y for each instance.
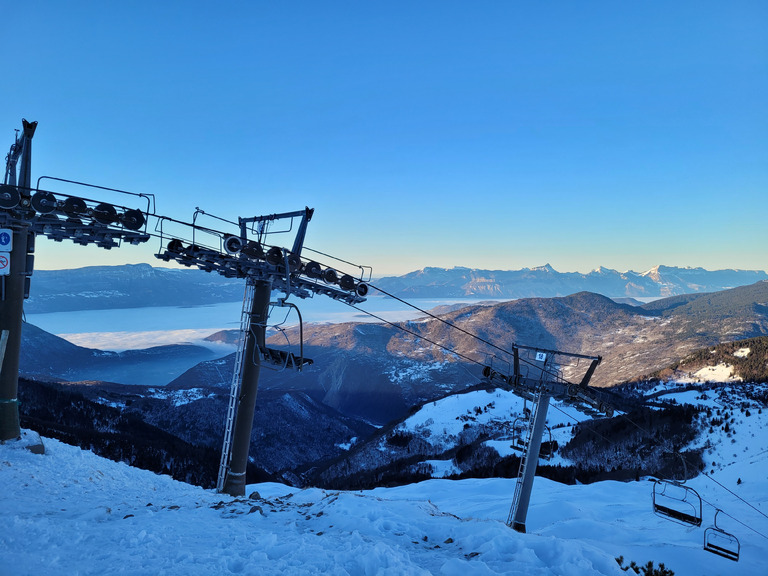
(718, 373)
(498, 412)
(71, 512)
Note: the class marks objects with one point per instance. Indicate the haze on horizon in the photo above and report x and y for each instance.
(497, 136)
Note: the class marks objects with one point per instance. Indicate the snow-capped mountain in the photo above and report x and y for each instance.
(367, 374)
(545, 281)
(141, 285)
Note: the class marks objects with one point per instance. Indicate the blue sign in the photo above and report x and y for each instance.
(6, 239)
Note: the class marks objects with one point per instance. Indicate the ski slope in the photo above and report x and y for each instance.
(71, 512)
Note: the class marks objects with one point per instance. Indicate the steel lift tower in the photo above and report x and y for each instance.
(232, 249)
(26, 212)
(14, 238)
(538, 375)
(242, 252)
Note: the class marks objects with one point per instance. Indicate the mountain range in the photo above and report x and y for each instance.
(370, 375)
(545, 281)
(141, 285)
(377, 371)
(127, 286)
(632, 340)
(64, 361)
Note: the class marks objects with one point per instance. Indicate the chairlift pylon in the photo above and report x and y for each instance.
(720, 542)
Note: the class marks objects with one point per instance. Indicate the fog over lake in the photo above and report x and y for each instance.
(137, 328)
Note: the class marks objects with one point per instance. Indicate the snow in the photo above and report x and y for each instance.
(71, 512)
(718, 373)
(497, 412)
(693, 397)
(348, 445)
(412, 370)
(742, 352)
(443, 468)
(180, 397)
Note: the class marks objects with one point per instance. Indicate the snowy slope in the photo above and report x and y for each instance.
(496, 413)
(425, 443)
(70, 512)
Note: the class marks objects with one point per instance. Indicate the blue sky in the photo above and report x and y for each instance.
(486, 134)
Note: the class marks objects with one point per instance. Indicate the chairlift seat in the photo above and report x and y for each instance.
(721, 551)
(684, 507)
(677, 515)
(720, 542)
(283, 358)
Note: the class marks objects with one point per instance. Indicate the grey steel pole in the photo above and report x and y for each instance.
(241, 437)
(11, 308)
(531, 461)
(12, 302)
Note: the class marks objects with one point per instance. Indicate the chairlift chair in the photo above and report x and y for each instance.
(279, 360)
(518, 440)
(720, 542)
(519, 426)
(282, 359)
(675, 501)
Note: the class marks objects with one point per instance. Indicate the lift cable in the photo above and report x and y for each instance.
(628, 419)
(454, 326)
(412, 333)
(361, 267)
(443, 320)
(554, 375)
(724, 513)
(609, 441)
(683, 457)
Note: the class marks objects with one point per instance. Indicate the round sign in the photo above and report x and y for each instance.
(5, 239)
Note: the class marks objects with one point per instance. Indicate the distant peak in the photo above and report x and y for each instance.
(545, 268)
(653, 272)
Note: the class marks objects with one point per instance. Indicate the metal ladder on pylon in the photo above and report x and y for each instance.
(523, 461)
(234, 390)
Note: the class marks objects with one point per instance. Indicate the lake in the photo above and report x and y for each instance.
(137, 328)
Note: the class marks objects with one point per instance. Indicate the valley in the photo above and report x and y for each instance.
(341, 414)
(384, 411)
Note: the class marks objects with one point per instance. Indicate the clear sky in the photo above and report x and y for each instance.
(490, 134)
